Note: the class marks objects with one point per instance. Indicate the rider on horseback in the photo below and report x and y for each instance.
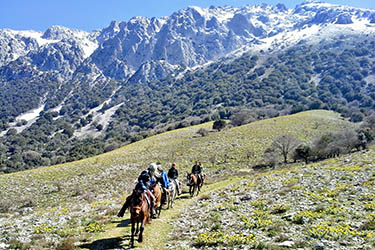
(173, 175)
(162, 177)
(144, 184)
(145, 180)
(197, 170)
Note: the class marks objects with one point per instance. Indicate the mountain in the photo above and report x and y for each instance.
(67, 94)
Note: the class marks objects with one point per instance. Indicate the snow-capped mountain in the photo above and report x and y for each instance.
(145, 49)
(189, 37)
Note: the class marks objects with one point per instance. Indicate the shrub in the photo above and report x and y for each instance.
(219, 125)
(5, 205)
(202, 132)
(66, 244)
(303, 152)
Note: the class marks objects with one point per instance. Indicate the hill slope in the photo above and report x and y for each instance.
(67, 94)
(325, 205)
(52, 203)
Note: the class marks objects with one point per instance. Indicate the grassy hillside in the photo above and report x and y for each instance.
(325, 205)
(79, 199)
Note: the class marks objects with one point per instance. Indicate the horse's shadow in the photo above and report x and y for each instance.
(104, 244)
(110, 243)
(183, 197)
(123, 223)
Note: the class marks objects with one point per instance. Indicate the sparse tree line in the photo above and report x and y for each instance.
(287, 148)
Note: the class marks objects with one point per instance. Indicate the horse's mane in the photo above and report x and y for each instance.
(137, 198)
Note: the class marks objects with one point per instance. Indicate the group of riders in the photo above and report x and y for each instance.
(155, 174)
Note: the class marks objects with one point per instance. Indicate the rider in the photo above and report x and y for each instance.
(173, 175)
(162, 176)
(151, 171)
(197, 170)
(144, 184)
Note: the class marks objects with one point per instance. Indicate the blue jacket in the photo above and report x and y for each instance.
(165, 178)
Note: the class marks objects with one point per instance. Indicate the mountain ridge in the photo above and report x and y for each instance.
(249, 22)
(143, 76)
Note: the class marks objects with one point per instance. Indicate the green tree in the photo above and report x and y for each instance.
(219, 125)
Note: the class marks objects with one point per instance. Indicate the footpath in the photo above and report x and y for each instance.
(117, 233)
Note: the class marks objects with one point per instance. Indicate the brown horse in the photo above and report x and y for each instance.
(195, 185)
(156, 190)
(139, 214)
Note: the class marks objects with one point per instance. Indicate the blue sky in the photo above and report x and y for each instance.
(91, 15)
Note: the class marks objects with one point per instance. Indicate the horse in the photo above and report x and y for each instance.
(139, 214)
(192, 182)
(156, 190)
(172, 193)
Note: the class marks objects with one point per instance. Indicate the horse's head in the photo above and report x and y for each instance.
(137, 202)
(136, 210)
(191, 179)
(188, 177)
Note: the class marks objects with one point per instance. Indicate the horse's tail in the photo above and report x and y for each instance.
(125, 206)
(122, 211)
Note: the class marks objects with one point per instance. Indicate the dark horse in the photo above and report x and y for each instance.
(194, 183)
(139, 214)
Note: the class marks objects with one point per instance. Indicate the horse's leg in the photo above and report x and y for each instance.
(137, 230)
(173, 197)
(159, 211)
(132, 235)
(140, 237)
(170, 198)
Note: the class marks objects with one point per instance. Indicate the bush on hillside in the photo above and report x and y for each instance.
(219, 125)
(202, 132)
(302, 152)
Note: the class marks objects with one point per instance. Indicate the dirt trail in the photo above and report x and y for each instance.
(117, 233)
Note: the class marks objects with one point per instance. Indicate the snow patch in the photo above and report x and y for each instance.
(88, 47)
(30, 117)
(35, 35)
(102, 119)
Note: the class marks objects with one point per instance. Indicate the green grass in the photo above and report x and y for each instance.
(184, 146)
(101, 183)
